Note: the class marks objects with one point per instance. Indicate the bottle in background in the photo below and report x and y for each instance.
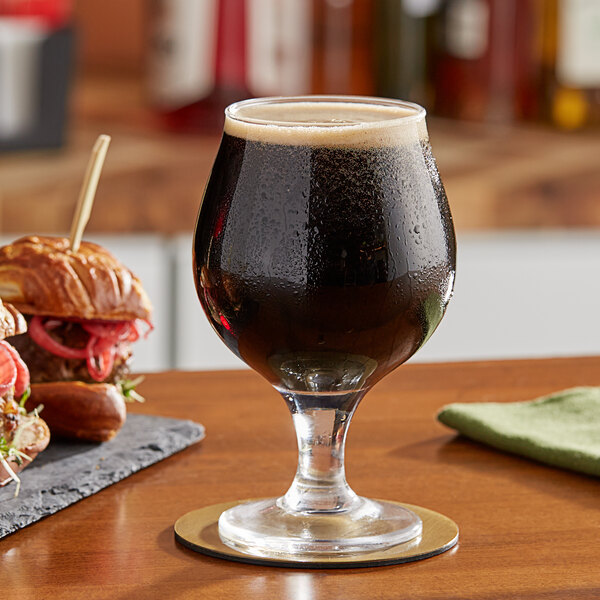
(571, 63)
(279, 47)
(405, 30)
(197, 61)
(487, 62)
(343, 47)
(207, 54)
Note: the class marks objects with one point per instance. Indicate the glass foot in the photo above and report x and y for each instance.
(265, 528)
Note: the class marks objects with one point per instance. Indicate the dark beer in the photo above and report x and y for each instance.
(324, 256)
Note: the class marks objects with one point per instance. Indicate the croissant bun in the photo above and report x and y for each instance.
(42, 275)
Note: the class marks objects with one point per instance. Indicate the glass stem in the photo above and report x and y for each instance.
(321, 422)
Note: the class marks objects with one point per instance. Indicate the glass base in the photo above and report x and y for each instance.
(264, 528)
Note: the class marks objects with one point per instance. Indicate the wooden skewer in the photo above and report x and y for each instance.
(88, 191)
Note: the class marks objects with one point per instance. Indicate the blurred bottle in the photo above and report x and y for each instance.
(203, 55)
(343, 47)
(197, 61)
(571, 62)
(405, 32)
(487, 63)
(279, 36)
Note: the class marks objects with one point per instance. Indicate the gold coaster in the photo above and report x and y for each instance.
(197, 530)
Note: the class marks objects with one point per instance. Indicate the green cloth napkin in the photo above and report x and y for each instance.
(562, 429)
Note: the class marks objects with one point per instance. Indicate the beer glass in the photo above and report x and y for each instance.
(324, 257)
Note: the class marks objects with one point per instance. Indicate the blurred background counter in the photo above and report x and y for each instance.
(511, 87)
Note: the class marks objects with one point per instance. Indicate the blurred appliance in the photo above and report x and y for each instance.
(36, 46)
(487, 64)
(571, 62)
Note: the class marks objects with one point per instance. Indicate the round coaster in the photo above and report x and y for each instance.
(198, 531)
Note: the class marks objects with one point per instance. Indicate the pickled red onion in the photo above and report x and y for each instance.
(100, 367)
(101, 348)
(42, 338)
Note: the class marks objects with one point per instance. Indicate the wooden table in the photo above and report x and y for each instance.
(527, 531)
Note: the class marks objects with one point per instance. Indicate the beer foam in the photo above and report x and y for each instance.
(306, 121)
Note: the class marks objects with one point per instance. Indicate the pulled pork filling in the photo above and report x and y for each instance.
(46, 366)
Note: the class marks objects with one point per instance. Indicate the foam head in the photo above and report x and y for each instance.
(327, 121)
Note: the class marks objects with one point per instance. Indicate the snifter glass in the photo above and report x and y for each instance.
(324, 257)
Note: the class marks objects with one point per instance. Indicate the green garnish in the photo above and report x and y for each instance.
(4, 446)
(9, 450)
(24, 398)
(127, 389)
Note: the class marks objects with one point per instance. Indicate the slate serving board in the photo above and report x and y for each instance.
(68, 471)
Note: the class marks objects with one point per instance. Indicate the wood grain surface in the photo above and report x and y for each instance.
(528, 531)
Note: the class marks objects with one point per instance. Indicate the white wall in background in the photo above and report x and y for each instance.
(522, 294)
(197, 346)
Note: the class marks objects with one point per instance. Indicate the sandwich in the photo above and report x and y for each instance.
(84, 310)
(23, 435)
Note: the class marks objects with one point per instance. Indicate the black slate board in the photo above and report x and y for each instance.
(68, 471)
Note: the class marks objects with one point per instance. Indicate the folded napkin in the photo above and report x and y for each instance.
(562, 429)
